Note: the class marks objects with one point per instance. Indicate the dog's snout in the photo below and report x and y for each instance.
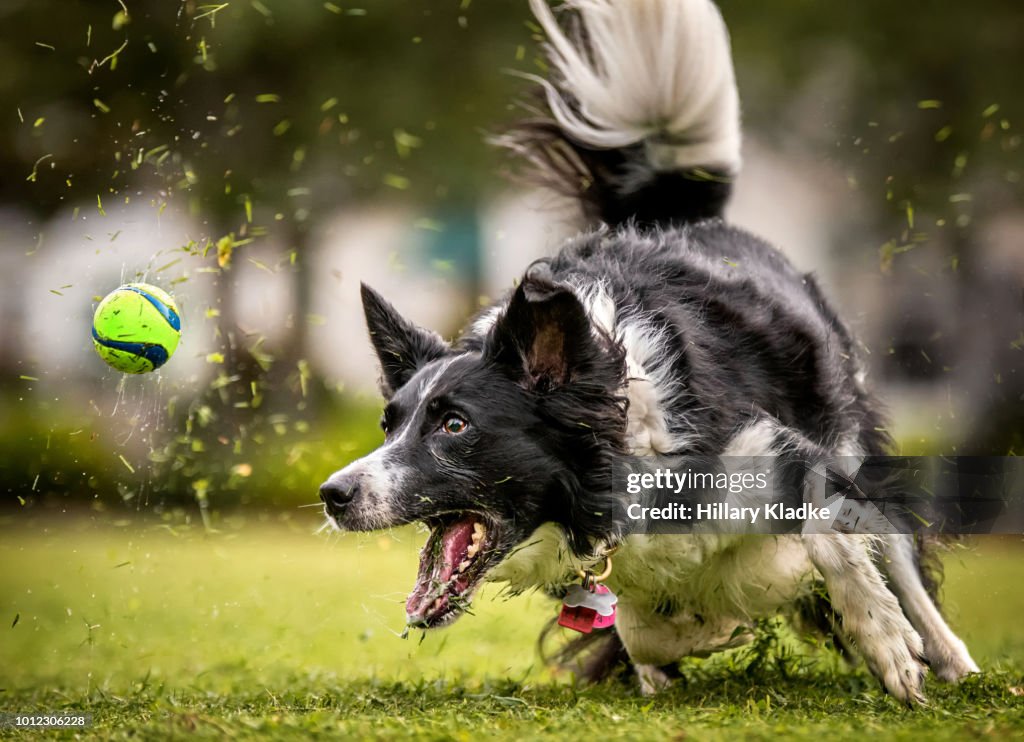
(338, 493)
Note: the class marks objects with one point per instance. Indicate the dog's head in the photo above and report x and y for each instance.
(486, 441)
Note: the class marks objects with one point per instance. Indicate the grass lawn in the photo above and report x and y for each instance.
(267, 630)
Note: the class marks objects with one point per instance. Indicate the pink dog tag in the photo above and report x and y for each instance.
(586, 609)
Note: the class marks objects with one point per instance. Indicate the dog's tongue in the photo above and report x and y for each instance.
(438, 560)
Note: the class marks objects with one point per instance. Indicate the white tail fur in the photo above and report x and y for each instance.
(652, 71)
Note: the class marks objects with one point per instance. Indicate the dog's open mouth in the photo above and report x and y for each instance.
(452, 565)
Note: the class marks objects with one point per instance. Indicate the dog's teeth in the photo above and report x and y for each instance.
(473, 549)
(478, 531)
(437, 605)
(464, 564)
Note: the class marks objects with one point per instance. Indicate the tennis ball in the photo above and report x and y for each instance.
(136, 328)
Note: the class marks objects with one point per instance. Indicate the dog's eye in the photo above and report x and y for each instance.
(454, 424)
(384, 425)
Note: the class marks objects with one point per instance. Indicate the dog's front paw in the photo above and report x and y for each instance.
(904, 680)
(899, 663)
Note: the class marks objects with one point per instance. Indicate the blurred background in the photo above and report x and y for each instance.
(260, 158)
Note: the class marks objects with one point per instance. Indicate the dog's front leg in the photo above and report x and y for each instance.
(869, 612)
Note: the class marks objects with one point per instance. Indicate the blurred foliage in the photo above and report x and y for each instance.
(279, 459)
(293, 105)
(262, 117)
(283, 105)
(918, 103)
(55, 458)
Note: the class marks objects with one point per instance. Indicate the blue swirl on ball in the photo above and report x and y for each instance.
(165, 311)
(152, 352)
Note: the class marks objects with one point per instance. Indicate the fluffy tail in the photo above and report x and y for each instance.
(642, 119)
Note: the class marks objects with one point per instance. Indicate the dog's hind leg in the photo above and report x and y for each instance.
(652, 679)
(946, 653)
(869, 612)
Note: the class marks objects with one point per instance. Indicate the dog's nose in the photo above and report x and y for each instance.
(338, 493)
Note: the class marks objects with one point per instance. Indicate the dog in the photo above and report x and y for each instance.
(660, 331)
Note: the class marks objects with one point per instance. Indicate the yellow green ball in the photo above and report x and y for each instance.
(136, 328)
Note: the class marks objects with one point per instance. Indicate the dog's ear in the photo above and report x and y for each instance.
(544, 336)
(401, 346)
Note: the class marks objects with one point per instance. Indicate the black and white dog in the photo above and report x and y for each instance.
(661, 331)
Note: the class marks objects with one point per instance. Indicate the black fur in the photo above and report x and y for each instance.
(401, 347)
(615, 186)
(749, 334)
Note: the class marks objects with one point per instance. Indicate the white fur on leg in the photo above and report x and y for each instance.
(947, 654)
(870, 613)
(657, 71)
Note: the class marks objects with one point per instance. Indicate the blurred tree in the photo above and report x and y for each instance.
(263, 115)
(920, 105)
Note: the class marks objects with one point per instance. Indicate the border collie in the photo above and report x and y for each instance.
(662, 331)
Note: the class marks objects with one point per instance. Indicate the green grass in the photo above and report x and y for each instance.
(266, 630)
